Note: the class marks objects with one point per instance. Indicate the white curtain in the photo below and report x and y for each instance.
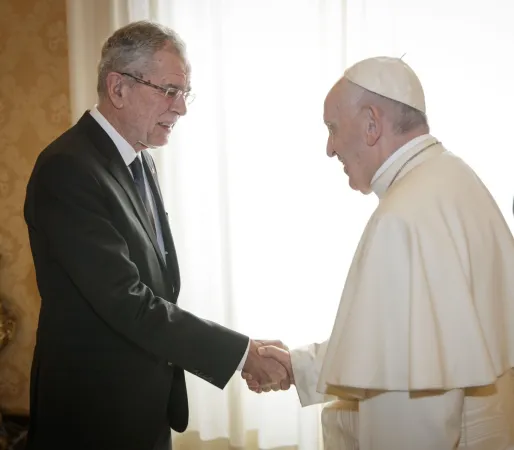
(264, 223)
(254, 202)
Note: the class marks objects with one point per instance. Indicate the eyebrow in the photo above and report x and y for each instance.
(174, 86)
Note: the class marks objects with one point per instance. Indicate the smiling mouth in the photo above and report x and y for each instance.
(168, 126)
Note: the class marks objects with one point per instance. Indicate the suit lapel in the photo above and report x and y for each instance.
(172, 261)
(121, 173)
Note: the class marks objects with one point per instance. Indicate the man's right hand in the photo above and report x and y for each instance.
(274, 352)
(264, 372)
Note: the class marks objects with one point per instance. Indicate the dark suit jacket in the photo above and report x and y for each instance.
(112, 345)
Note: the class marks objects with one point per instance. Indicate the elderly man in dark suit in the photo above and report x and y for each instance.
(112, 344)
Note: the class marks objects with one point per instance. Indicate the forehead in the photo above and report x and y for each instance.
(331, 106)
(169, 68)
(336, 101)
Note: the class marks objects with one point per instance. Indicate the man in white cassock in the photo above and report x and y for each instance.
(422, 347)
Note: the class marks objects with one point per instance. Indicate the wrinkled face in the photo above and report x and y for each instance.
(347, 137)
(148, 114)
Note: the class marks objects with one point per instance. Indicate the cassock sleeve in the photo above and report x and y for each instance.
(306, 362)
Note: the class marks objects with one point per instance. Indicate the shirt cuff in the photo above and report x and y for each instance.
(243, 361)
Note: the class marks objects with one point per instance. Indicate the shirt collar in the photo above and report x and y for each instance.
(398, 154)
(126, 150)
(394, 169)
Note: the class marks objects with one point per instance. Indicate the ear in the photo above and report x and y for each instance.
(116, 89)
(374, 125)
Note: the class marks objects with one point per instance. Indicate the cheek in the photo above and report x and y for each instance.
(153, 116)
(140, 115)
(354, 163)
(159, 112)
(148, 109)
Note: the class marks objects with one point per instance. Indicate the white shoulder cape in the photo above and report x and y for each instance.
(429, 299)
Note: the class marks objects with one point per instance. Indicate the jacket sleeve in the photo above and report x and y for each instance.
(71, 214)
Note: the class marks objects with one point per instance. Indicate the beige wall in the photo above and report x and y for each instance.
(34, 110)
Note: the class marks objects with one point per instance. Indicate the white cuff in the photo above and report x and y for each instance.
(243, 360)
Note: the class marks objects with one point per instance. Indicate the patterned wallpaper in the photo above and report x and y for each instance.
(34, 110)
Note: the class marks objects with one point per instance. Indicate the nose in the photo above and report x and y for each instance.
(330, 148)
(179, 105)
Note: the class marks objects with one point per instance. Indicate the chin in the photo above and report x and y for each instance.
(363, 190)
(158, 142)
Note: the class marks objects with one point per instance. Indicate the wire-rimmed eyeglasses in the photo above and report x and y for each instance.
(171, 92)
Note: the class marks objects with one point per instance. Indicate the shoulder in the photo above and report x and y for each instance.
(443, 184)
(69, 157)
(63, 165)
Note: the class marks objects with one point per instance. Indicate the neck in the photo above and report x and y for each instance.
(395, 142)
(390, 144)
(110, 113)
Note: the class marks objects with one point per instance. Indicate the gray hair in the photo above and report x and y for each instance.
(404, 118)
(132, 47)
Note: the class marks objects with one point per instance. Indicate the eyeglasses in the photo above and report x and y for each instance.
(172, 93)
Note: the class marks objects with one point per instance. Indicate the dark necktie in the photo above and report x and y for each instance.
(139, 181)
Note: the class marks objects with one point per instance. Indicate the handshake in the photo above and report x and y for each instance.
(268, 367)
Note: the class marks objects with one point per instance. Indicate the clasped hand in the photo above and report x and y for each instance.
(268, 367)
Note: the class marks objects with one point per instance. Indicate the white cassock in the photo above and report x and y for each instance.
(421, 351)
